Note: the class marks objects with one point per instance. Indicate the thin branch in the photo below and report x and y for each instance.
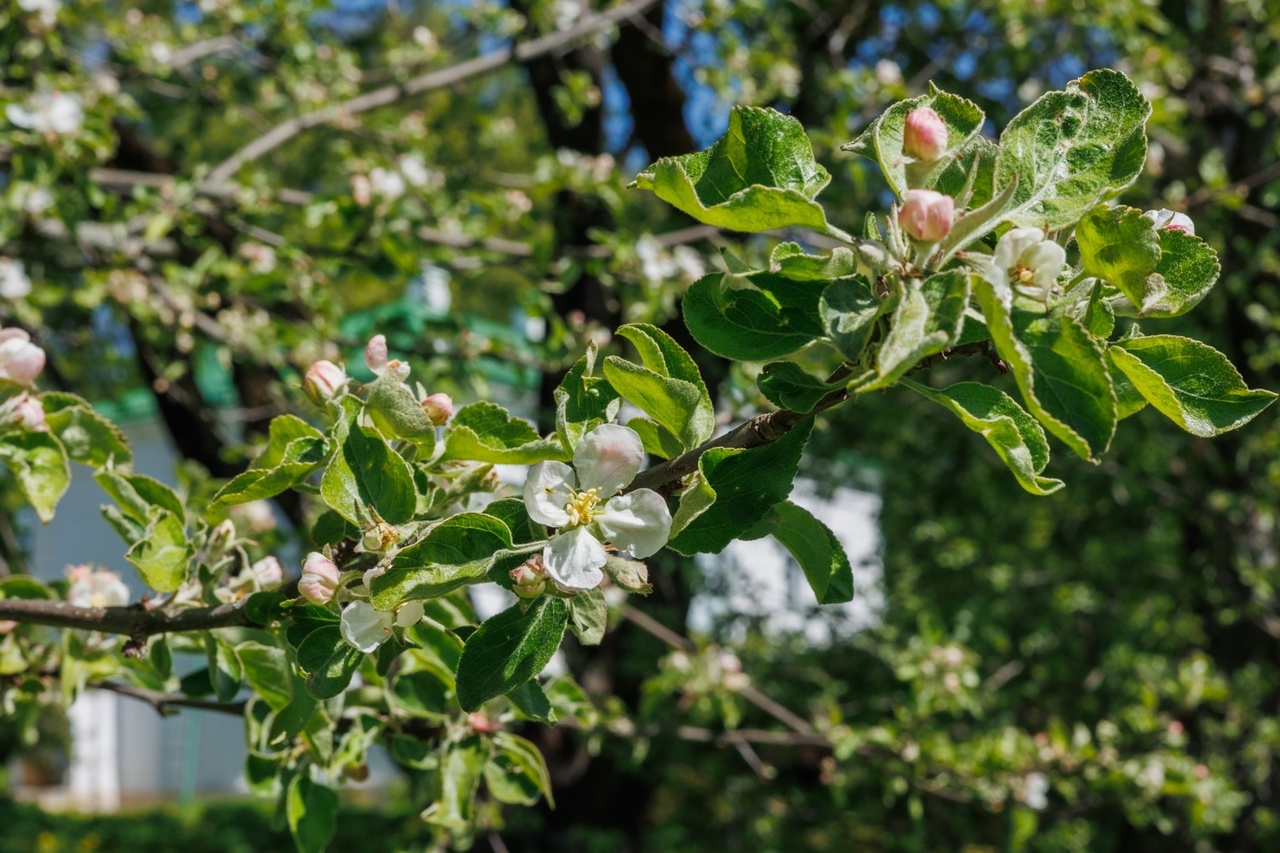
(442, 78)
(133, 621)
(162, 702)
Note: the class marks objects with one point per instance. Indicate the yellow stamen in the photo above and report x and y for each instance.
(581, 507)
(1024, 275)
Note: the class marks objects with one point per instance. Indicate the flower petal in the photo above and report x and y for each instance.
(608, 458)
(364, 627)
(638, 522)
(1010, 247)
(573, 559)
(547, 490)
(1047, 258)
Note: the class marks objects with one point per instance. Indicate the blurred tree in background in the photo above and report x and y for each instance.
(259, 185)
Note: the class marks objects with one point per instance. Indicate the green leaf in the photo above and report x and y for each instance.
(1188, 267)
(927, 320)
(266, 668)
(583, 400)
(666, 386)
(735, 488)
(301, 457)
(789, 260)
(1190, 382)
(89, 438)
(759, 176)
(849, 310)
(516, 772)
(1014, 435)
(954, 177)
(225, 671)
(366, 472)
(40, 465)
(460, 772)
(1059, 369)
(509, 649)
(422, 694)
(531, 702)
(163, 555)
(882, 140)
(816, 549)
(1119, 245)
(657, 439)
(486, 432)
(21, 586)
(789, 386)
(397, 413)
(1069, 150)
(762, 318)
(328, 661)
(312, 812)
(457, 551)
(589, 616)
(512, 513)
(137, 495)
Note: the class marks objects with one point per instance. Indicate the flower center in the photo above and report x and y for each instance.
(582, 506)
(1023, 274)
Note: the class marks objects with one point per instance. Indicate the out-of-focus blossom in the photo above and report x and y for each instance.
(48, 112)
(91, 588)
(20, 360)
(14, 283)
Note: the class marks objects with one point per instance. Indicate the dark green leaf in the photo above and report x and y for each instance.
(312, 812)
(516, 771)
(928, 319)
(758, 319)
(485, 432)
(788, 386)
(815, 548)
(583, 400)
(509, 649)
(1188, 267)
(457, 551)
(364, 473)
(849, 310)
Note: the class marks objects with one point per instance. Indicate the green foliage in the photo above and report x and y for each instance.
(509, 649)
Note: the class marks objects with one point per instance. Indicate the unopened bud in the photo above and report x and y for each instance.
(924, 135)
(926, 215)
(324, 381)
(1168, 220)
(380, 538)
(20, 360)
(220, 539)
(267, 573)
(319, 581)
(439, 407)
(631, 575)
(529, 579)
(398, 369)
(28, 413)
(375, 354)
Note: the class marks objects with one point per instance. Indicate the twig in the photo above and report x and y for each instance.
(161, 702)
(133, 621)
(432, 80)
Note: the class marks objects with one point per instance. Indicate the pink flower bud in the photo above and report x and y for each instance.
(319, 581)
(20, 360)
(375, 354)
(926, 215)
(28, 413)
(324, 381)
(267, 573)
(439, 407)
(924, 135)
(529, 579)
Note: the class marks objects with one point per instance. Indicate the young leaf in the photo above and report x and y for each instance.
(1120, 245)
(817, 550)
(300, 459)
(457, 551)
(849, 310)
(1014, 435)
(657, 439)
(735, 488)
(1059, 370)
(266, 668)
(667, 387)
(927, 320)
(516, 771)
(163, 555)
(882, 140)
(89, 438)
(312, 813)
(459, 774)
(39, 463)
(396, 412)
(790, 261)
(509, 649)
(588, 616)
(1069, 150)
(1188, 268)
(486, 432)
(583, 400)
(759, 176)
(366, 472)
(766, 317)
(1189, 382)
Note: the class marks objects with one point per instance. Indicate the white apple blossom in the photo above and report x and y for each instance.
(1028, 262)
(14, 283)
(1166, 218)
(366, 628)
(48, 9)
(386, 183)
(96, 589)
(48, 112)
(1036, 793)
(584, 504)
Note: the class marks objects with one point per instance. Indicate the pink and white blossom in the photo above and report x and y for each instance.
(91, 588)
(1169, 220)
(20, 360)
(924, 135)
(926, 215)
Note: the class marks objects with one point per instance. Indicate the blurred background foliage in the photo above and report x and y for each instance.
(1096, 670)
